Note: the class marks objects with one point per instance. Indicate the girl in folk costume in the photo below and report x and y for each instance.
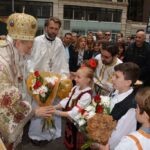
(79, 98)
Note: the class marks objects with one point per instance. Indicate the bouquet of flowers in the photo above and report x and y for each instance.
(95, 121)
(43, 87)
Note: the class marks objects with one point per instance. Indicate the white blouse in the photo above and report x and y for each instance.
(126, 124)
(83, 102)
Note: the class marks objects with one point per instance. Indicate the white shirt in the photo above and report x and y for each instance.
(83, 102)
(129, 144)
(126, 124)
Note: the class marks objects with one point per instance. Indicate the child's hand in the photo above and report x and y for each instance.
(52, 109)
(95, 146)
(42, 112)
(104, 147)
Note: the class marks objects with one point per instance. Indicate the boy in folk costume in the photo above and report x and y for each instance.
(123, 102)
(79, 98)
(140, 139)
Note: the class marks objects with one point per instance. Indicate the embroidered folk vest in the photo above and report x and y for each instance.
(121, 108)
(74, 103)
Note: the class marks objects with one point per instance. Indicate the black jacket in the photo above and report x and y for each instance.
(73, 60)
(140, 56)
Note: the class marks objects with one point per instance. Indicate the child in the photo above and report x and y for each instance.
(122, 101)
(79, 98)
(97, 49)
(139, 139)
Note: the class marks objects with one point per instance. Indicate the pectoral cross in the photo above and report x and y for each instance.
(50, 64)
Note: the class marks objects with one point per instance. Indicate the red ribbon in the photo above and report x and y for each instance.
(81, 110)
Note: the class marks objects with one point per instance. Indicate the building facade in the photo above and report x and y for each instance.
(83, 16)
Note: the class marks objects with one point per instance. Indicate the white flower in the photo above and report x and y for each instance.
(81, 122)
(77, 117)
(40, 90)
(51, 80)
(105, 101)
(43, 95)
(91, 114)
(90, 108)
(35, 92)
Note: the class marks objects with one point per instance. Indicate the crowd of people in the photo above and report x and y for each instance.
(120, 64)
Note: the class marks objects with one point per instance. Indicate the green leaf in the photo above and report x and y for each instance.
(86, 145)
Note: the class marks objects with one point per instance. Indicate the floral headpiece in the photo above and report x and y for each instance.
(92, 63)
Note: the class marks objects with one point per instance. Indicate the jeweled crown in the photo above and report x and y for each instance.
(22, 26)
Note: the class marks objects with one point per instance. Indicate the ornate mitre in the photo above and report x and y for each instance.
(21, 26)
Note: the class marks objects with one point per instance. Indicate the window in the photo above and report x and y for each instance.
(37, 9)
(135, 10)
(117, 15)
(79, 13)
(92, 13)
(68, 12)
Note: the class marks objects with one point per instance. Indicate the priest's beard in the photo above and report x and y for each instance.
(24, 47)
(50, 37)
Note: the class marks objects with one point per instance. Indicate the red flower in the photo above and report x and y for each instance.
(35, 87)
(92, 63)
(38, 83)
(36, 73)
(99, 109)
(97, 99)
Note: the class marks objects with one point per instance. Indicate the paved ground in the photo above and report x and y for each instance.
(54, 145)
